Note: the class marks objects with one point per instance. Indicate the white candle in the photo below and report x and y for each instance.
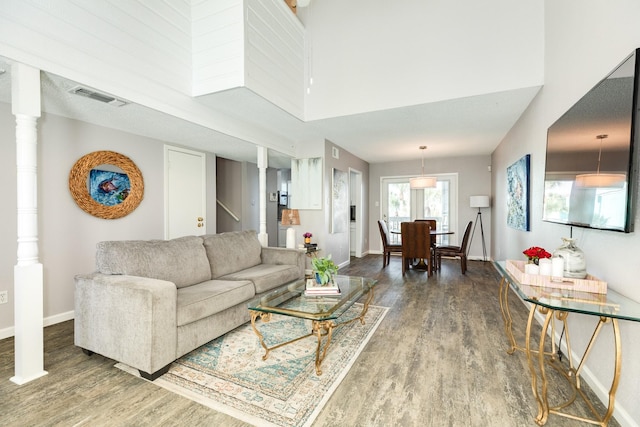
(557, 267)
(545, 266)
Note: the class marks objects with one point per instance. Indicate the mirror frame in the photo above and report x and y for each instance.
(78, 184)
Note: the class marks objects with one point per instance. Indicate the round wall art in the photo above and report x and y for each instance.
(106, 184)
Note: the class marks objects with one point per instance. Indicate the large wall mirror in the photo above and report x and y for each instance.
(106, 184)
(591, 156)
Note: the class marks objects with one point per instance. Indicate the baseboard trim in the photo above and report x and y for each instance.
(48, 321)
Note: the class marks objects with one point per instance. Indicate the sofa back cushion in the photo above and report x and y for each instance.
(231, 252)
(182, 261)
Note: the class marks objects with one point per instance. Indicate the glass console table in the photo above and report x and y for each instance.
(556, 305)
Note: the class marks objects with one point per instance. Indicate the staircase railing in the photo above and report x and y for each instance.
(227, 210)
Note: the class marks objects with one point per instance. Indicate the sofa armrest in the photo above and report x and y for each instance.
(127, 318)
(284, 256)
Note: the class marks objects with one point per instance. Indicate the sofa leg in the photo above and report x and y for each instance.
(157, 374)
(87, 352)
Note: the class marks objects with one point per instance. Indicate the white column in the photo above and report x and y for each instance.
(262, 191)
(28, 277)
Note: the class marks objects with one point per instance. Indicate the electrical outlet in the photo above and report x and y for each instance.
(4, 297)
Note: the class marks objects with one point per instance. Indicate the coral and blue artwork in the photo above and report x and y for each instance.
(518, 194)
(108, 188)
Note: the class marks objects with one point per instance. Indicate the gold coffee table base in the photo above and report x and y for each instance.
(319, 328)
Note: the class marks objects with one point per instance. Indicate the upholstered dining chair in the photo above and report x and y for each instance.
(432, 223)
(387, 246)
(416, 244)
(456, 251)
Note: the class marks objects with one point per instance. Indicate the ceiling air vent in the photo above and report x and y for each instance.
(98, 96)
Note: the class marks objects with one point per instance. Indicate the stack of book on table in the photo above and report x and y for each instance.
(314, 289)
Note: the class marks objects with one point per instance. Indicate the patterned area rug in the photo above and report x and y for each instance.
(229, 375)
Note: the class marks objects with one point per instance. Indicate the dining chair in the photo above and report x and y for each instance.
(387, 246)
(416, 244)
(432, 223)
(456, 251)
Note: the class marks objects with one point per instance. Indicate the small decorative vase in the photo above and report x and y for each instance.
(575, 265)
(307, 240)
(319, 279)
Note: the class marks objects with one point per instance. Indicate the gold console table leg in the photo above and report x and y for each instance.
(506, 315)
(572, 375)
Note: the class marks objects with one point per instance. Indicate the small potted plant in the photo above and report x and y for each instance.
(307, 237)
(324, 268)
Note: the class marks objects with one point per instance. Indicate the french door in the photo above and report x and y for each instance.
(400, 203)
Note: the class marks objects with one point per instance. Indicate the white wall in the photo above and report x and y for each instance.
(583, 44)
(68, 235)
(138, 51)
(217, 31)
(426, 51)
(318, 221)
(474, 178)
(254, 43)
(337, 244)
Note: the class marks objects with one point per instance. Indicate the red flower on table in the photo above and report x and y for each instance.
(307, 235)
(534, 254)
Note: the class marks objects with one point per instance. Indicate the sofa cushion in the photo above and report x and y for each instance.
(213, 296)
(233, 251)
(267, 276)
(182, 261)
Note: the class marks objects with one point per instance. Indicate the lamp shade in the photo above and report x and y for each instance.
(290, 217)
(422, 182)
(600, 180)
(479, 201)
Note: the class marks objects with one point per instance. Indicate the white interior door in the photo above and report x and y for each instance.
(185, 193)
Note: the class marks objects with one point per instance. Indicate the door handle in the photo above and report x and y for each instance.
(200, 219)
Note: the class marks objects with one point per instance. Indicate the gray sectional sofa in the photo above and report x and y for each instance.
(150, 302)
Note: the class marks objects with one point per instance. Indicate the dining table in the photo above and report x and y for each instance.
(421, 265)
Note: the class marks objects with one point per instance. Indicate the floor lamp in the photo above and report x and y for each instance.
(479, 202)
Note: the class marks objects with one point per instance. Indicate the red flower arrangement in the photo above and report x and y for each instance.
(534, 254)
(307, 235)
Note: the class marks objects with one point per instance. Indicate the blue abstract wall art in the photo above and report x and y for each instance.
(108, 188)
(518, 194)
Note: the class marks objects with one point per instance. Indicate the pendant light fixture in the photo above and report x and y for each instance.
(423, 181)
(600, 180)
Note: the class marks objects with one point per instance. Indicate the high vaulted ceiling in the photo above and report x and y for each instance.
(466, 126)
(458, 94)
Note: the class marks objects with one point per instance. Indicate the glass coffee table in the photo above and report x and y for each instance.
(324, 311)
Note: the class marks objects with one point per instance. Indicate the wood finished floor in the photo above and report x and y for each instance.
(437, 359)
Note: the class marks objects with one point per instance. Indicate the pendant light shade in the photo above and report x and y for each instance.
(600, 180)
(423, 181)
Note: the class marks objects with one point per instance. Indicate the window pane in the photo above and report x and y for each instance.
(399, 205)
(436, 206)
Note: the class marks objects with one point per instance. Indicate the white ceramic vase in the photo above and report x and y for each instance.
(575, 265)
